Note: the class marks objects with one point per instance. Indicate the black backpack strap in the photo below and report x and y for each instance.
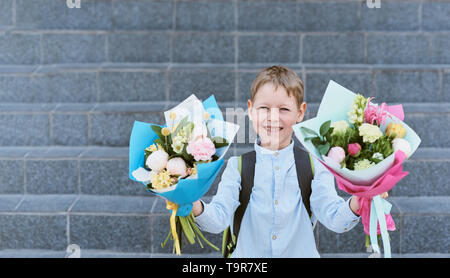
(247, 177)
(303, 164)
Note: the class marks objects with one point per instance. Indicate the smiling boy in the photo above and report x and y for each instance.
(276, 221)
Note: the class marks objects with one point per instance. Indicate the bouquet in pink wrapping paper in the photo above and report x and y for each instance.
(363, 145)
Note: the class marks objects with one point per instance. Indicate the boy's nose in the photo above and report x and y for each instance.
(274, 114)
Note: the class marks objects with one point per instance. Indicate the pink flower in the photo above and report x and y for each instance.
(354, 149)
(201, 148)
(337, 154)
(177, 166)
(376, 114)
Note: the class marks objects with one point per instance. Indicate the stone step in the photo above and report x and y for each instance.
(137, 224)
(110, 124)
(104, 171)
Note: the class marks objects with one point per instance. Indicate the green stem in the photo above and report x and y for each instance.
(197, 230)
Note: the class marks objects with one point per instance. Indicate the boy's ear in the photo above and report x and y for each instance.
(301, 112)
(249, 108)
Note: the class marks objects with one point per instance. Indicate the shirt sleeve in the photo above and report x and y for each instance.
(329, 208)
(217, 215)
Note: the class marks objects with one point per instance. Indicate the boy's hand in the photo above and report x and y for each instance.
(354, 206)
(197, 208)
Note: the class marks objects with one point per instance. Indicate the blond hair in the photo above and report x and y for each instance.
(279, 76)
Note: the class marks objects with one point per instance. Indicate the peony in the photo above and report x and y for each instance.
(157, 160)
(337, 154)
(363, 164)
(354, 149)
(339, 127)
(370, 133)
(176, 166)
(402, 145)
(201, 149)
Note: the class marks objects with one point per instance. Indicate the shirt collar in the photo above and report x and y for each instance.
(263, 151)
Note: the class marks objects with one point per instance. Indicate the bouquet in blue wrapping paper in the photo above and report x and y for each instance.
(180, 160)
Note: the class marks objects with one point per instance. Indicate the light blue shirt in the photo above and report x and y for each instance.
(276, 223)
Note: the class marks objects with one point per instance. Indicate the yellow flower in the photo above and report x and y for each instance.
(152, 148)
(165, 131)
(206, 116)
(395, 129)
(173, 115)
(161, 180)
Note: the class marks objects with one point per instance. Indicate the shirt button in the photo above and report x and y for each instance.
(277, 168)
(276, 202)
(275, 154)
(274, 237)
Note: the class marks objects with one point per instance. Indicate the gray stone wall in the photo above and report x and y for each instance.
(73, 80)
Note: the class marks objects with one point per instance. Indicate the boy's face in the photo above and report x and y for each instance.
(273, 113)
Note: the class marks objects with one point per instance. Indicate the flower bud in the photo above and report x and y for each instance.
(354, 149)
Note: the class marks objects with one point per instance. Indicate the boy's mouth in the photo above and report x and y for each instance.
(271, 129)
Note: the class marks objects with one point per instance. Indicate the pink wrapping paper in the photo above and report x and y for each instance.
(365, 193)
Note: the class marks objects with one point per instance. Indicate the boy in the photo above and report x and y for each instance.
(275, 222)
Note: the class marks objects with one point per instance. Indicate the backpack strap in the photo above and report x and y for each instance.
(304, 166)
(247, 177)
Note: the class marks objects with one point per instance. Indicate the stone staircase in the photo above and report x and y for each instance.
(73, 81)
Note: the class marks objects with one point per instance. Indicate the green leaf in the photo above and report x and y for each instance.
(157, 130)
(310, 138)
(219, 142)
(317, 141)
(323, 149)
(325, 127)
(180, 125)
(309, 131)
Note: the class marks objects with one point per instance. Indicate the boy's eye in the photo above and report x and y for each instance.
(263, 107)
(284, 109)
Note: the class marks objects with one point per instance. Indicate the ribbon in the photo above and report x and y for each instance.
(174, 208)
(379, 207)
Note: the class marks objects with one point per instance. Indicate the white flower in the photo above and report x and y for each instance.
(402, 145)
(363, 164)
(157, 160)
(177, 145)
(370, 133)
(340, 127)
(378, 156)
(176, 166)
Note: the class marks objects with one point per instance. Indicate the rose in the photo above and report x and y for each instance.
(157, 160)
(176, 166)
(201, 148)
(354, 149)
